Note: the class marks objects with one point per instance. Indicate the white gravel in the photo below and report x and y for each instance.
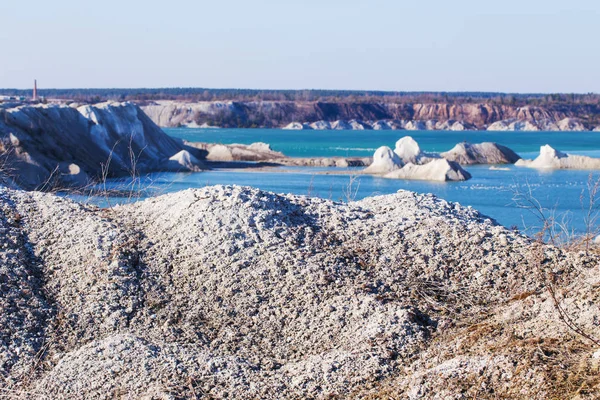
(240, 293)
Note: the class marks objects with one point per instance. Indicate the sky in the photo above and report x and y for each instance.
(541, 46)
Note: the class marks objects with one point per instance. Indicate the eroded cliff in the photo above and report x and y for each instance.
(408, 116)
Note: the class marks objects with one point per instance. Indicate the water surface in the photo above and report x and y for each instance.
(500, 194)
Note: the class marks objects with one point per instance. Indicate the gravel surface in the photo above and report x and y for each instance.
(234, 292)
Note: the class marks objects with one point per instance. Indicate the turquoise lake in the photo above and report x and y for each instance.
(490, 191)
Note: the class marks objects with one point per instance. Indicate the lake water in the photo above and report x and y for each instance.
(490, 191)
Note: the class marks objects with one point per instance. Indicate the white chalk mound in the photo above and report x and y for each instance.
(184, 161)
(384, 161)
(408, 150)
(296, 126)
(341, 125)
(513, 125)
(321, 125)
(436, 170)
(381, 126)
(551, 158)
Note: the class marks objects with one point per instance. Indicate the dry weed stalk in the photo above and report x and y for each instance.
(350, 191)
(558, 230)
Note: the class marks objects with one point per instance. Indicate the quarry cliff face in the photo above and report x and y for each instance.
(71, 145)
(231, 114)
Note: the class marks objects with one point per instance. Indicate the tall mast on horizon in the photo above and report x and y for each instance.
(35, 95)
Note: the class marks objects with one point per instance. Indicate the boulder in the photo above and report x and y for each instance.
(408, 150)
(480, 153)
(71, 174)
(396, 124)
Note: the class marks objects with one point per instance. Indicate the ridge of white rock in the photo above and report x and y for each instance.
(381, 125)
(513, 125)
(294, 126)
(415, 126)
(341, 125)
(570, 124)
(543, 124)
(551, 158)
(566, 124)
(93, 137)
(358, 125)
(320, 125)
(435, 170)
(237, 152)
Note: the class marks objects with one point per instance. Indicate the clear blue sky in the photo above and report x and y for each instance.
(508, 45)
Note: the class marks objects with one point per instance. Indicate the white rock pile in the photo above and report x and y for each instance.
(232, 292)
(551, 158)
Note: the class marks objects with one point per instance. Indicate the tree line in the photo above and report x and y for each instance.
(346, 96)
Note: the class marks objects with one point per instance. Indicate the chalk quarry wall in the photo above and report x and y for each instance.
(73, 144)
(278, 114)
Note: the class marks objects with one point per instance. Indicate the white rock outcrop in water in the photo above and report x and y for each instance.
(550, 158)
(408, 150)
(390, 164)
(237, 152)
(183, 161)
(435, 170)
(384, 160)
(481, 153)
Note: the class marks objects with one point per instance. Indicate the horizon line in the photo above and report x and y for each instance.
(363, 91)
